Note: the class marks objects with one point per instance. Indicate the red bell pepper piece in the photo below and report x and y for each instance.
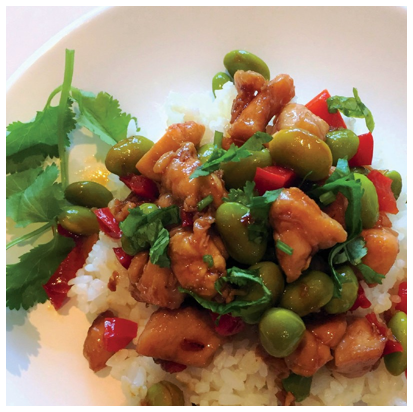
(118, 333)
(141, 185)
(57, 286)
(361, 301)
(187, 218)
(402, 305)
(319, 107)
(107, 223)
(123, 258)
(364, 155)
(227, 325)
(63, 232)
(273, 178)
(387, 201)
(392, 346)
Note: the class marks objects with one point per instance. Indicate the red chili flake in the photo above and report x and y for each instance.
(191, 345)
(170, 366)
(361, 301)
(227, 325)
(187, 218)
(123, 258)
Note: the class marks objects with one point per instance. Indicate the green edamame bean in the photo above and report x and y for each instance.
(396, 363)
(302, 152)
(396, 186)
(369, 202)
(310, 292)
(123, 156)
(244, 60)
(298, 385)
(280, 331)
(342, 143)
(234, 234)
(236, 174)
(350, 286)
(164, 393)
(273, 279)
(79, 220)
(88, 194)
(219, 80)
(148, 208)
(205, 152)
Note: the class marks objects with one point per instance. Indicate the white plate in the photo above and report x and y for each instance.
(138, 55)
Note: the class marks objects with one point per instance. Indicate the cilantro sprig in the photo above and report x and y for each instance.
(238, 278)
(351, 107)
(233, 154)
(35, 193)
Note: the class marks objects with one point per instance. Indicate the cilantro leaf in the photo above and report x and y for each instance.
(18, 182)
(39, 202)
(243, 196)
(147, 231)
(24, 279)
(102, 115)
(369, 275)
(209, 260)
(351, 107)
(233, 154)
(239, 278)
(41, 131)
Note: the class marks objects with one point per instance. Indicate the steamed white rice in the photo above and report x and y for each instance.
(236, 376)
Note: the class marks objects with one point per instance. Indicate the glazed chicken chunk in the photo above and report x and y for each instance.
(297, 115)
(299, 222)
(257, 112)
(359, 350)
(175, 169)
(186, 336)
(150, 283)
(186, 251)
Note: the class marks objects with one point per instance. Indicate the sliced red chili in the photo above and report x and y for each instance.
(107, 223)
(141, 185)
(319, 107)
(381, 327)
(187, 218)
(123, 258)
(361, 300)
(392, 346)
(387, 201)
(118, 333)
(402, 305)
(57, 286)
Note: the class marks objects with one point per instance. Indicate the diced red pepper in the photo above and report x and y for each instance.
(273, 178)
(187, 218)
(387, 201)
(392, 346)
(170, 366)
(402, 305)
(141, 185)
(227, 325)
(63, 232)
(364, 155)
(361, 301)
(118, 333)
(57, 287)
(107, 223)
(319, 107)
(123, 258)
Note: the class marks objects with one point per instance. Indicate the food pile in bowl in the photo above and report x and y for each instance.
(253, 255)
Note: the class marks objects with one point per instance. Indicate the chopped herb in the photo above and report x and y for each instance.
(327, 198)
(209, 260)
(218, 136)
(233, 154)
(243, 196)
(284, 247)
(206, 201)
(240, 278)
(351, 107)
(369, 275)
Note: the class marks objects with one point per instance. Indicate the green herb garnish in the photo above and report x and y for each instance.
(209, 260)
(284, 247)
(351, 107)
(206, 201)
